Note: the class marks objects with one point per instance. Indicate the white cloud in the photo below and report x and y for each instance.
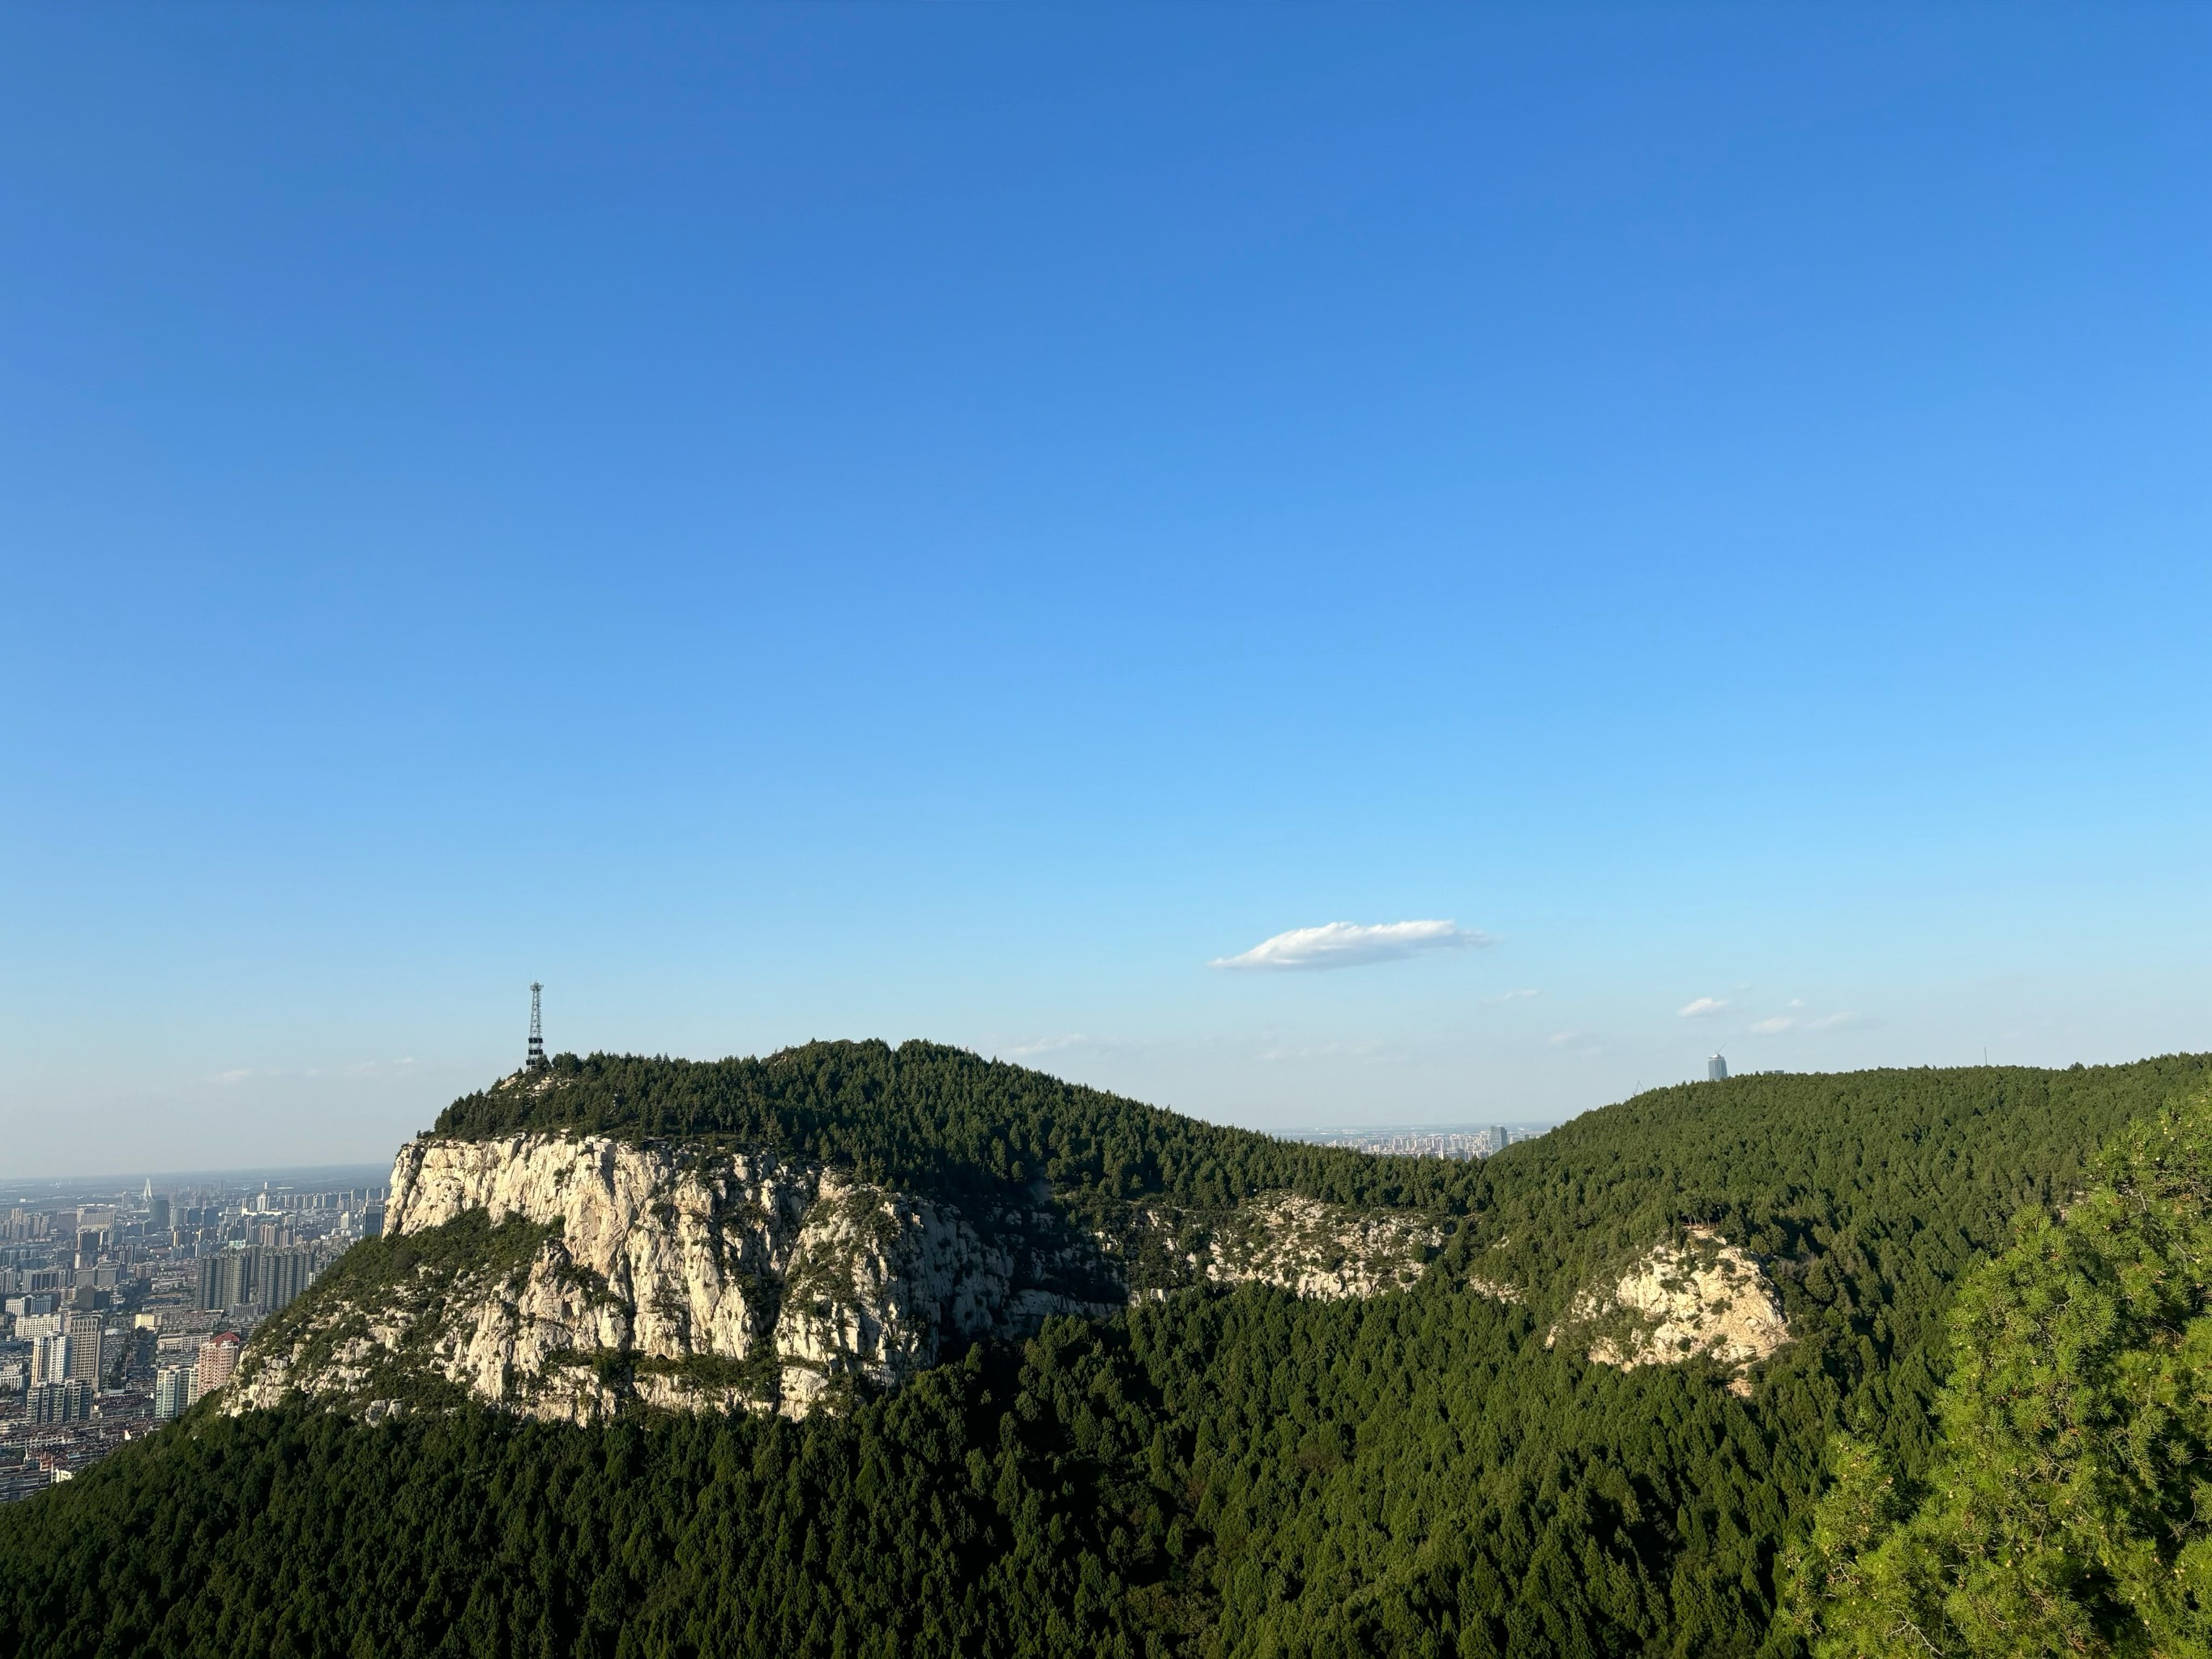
(1775, 1023)
(1794, 1002)
(1330, 1051)
(1701, 1007)
(360, 1068)
(1561, 1039)
(1521, 995)
(1354, 944)
(1049, 1045)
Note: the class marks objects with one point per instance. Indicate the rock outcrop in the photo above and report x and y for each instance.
(1283, 1239)
(564, 1275)
(1703, 1298)
(684, 1278)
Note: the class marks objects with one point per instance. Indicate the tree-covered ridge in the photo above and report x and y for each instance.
(2069, 1507)
(1860, 1171)
(943, 1118)
(1215, 1475)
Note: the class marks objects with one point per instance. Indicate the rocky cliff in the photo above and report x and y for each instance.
(1699, 1297)
(681, 1276)
(563, 1275)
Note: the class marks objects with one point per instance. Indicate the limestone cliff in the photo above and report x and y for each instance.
(563, 1275)
(679, 1276)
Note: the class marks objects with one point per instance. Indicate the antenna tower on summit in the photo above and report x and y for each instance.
(537, 1061)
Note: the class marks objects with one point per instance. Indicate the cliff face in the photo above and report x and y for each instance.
(564, 1275)
(683, 1277)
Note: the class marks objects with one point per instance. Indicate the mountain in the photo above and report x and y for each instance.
(816, 1227)
(1021, 1367)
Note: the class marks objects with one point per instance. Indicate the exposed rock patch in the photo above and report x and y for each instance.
(1702, 1297)
(1283, 1239)
(1302, 1244)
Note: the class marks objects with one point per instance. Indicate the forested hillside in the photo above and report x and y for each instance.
(2065, 1510)
(940, 1118)
(1215, 1473)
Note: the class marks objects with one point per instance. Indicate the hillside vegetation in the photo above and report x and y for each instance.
(1218, 1473)
(2065, 1510)
(940, 1118)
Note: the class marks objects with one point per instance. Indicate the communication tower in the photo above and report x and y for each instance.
(536, 1062)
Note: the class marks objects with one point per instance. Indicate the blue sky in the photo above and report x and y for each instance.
(823, 521)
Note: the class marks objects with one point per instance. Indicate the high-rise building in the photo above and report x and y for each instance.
(226, 1279)
(61, 1402)
(1495, 1140)
(173, 1392)
(157, 1215)
(50, 1359)
(281, 1275)
(87, 1347)
(218, 1360)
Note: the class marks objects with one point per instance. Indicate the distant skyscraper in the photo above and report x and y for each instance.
(227, 1280)
(1716, 1069)
(218, 1360)
(157, 1215)
(173, 1392)
(86, 1344)
(49, 1359)
(61, 1402)
(283, 1274)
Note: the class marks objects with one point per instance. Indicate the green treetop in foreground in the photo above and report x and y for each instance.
(2069, 1508)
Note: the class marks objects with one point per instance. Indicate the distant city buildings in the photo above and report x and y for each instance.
(264, 1275)
(50, 1359)
(281, 1273)
(1442, 1140)
(60, 1402)
(86, 1340)
(172, 1391)
(218, 1360)
(119, 1305)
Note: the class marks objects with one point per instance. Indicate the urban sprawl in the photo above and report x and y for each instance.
(120, 1314)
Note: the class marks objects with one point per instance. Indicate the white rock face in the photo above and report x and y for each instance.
(692, 1279)
(1302, 1244)
(664, 1256)
(1704, 1297)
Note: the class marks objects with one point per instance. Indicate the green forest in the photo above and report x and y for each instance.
(1993, 1274)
